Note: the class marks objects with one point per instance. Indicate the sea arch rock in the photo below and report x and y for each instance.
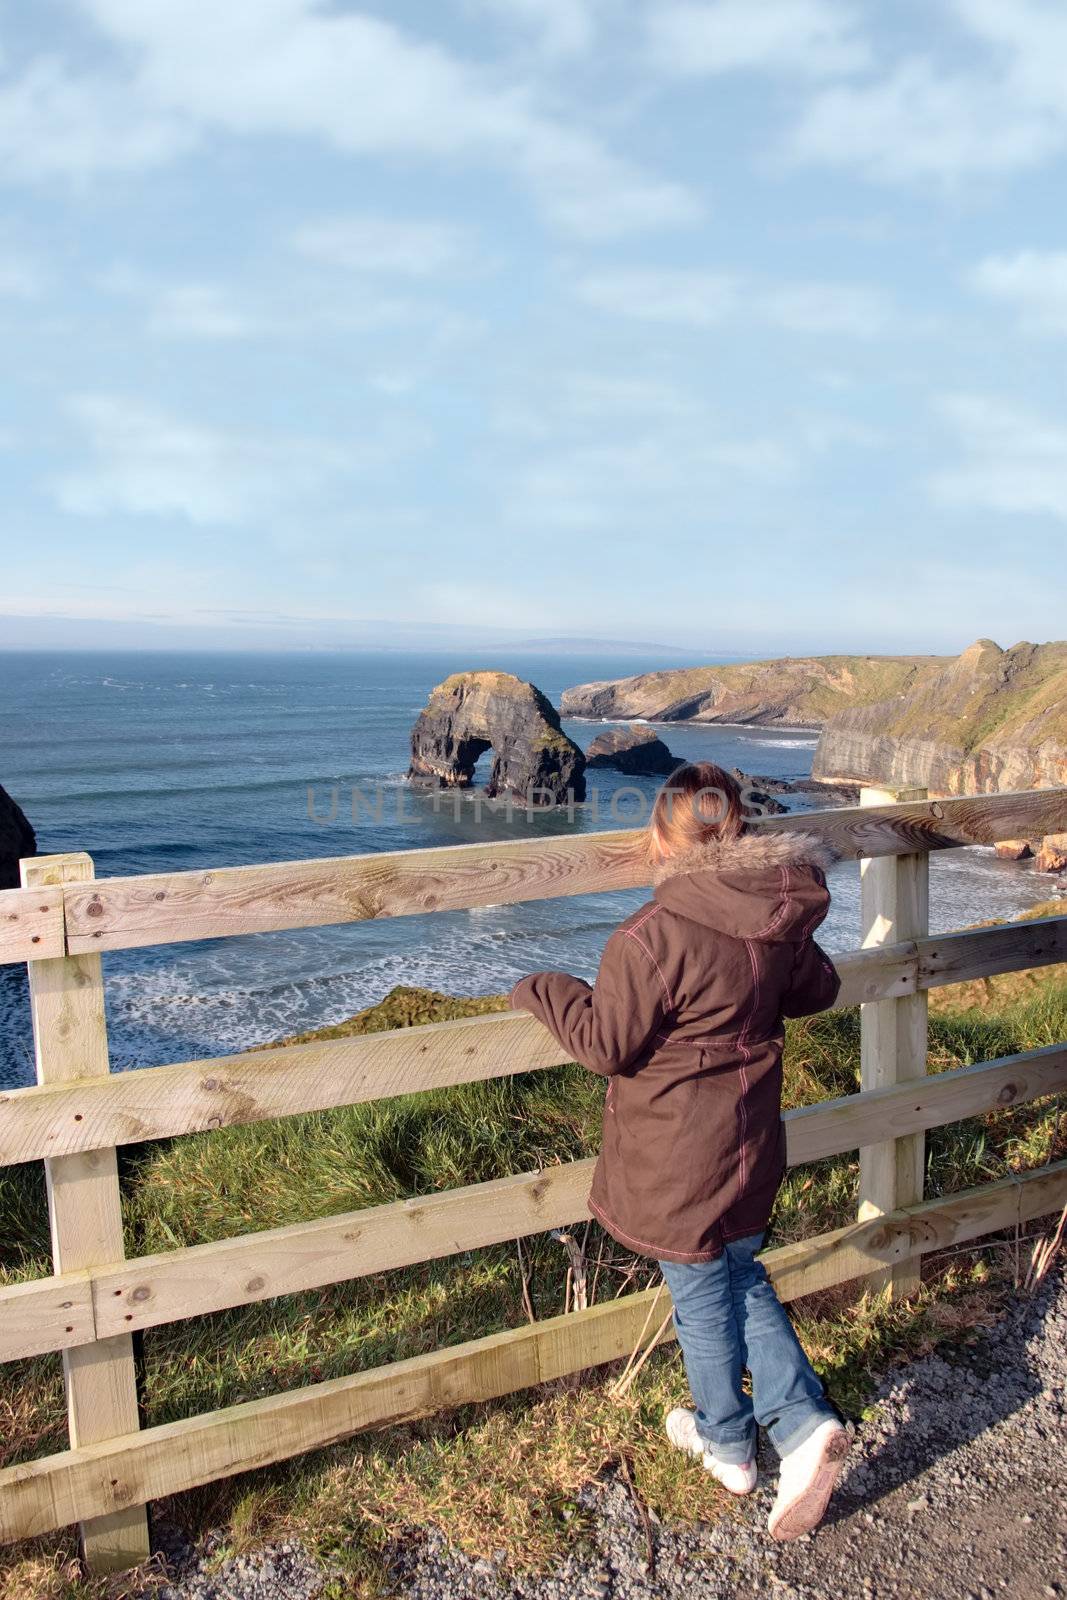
(471, 712)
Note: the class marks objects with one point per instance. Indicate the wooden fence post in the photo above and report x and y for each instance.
(894, 906)
(84, 1206)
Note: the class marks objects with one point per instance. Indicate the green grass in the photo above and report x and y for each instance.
(505, 1475)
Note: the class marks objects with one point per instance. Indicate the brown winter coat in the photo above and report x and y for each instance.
(685, 1022)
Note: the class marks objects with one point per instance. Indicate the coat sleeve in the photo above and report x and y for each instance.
(606, 1026)
(813, 984)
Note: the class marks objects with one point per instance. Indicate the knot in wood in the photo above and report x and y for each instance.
(94, 909)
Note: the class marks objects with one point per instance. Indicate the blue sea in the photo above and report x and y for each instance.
(159, 762)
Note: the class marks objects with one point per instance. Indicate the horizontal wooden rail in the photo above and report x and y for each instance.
(832, 1127)
(258, 1085)
(95, 1480)
(200, 1279)
(983, 952)
(163, 908)
(31, 924)
(853, 1251)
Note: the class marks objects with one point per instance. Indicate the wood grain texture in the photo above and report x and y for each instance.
(161, 908)
(46, 1314)
(894, 906)
(983, 952)
(913, 1231)
(31, 925)
(857, 1120)
(103, 1479)
(70, 1044)
(257, 1085)
(173, 1285)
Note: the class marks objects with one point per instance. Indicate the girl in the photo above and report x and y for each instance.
(685, 1022)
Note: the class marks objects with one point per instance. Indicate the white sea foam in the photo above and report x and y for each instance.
(782, 744)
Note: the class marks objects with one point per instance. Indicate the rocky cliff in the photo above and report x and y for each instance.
(16, 840)
(790, 692)
(472, 712)
(990, 720)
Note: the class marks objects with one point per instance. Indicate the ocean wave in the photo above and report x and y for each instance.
(781, 744)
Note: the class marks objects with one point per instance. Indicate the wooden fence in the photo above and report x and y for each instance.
(78, 1114)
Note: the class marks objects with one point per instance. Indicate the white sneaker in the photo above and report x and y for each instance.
(807, 1481)
(681, 1428)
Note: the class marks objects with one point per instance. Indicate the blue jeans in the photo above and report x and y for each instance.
(728, 1317)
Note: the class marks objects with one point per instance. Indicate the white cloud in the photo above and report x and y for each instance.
(919, 121)
(147, 462)
(588, 192)
(469, 595)
(824, 433)
(706, 299)
(1033, 282)
(1014, 460)
(843, 308)
(594, 395)
(656, 471)
(410, 249)
(220, 312)
(200, 311)
(817, 38)
(662, 294)
(611, 450)
(1029, 38)
(559, 404)
(353, 81)
(560, 27)
(55, 124)
(20, 278)
(206, 311)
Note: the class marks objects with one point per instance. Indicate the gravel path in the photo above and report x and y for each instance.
(954, 1490)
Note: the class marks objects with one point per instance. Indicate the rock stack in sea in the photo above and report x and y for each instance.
(471, 712)
(638, 751)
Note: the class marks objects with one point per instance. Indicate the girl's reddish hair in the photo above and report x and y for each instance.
(698, 802)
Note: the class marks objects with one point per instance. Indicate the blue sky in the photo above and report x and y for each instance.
(737, 326)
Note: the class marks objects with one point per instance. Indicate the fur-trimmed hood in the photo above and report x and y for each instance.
(766, 884)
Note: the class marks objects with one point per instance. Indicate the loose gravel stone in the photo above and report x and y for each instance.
(953, 1490)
